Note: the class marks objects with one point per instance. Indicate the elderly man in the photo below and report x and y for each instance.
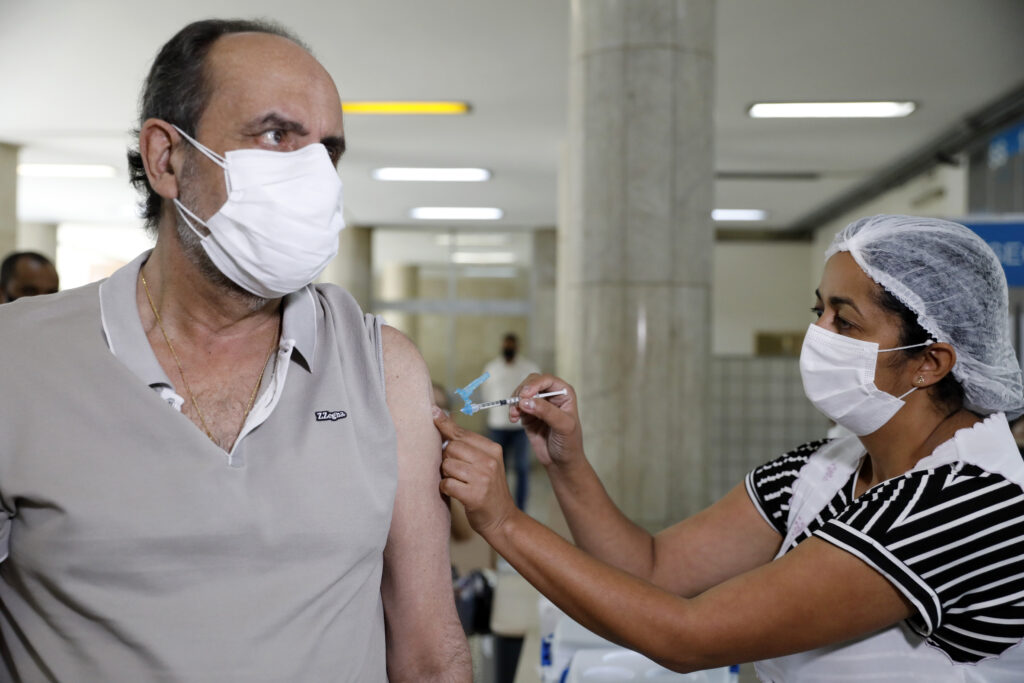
(26, 273)
(211, 470)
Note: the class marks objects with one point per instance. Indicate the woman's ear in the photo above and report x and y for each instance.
(157, 142)
(936, 362)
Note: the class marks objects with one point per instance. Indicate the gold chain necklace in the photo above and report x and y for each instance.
(191, 395)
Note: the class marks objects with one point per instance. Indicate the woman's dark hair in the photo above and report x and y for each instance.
(176, 90)
(948, 394)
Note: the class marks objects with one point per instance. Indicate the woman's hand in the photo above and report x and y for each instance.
(552, 424)
(473, 473)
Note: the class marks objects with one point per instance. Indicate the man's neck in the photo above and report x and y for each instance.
(207, 335)
(192, 305)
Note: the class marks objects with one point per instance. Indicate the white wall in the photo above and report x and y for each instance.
(940, 193)
(758, 287)
(769, 286)
(87, 252)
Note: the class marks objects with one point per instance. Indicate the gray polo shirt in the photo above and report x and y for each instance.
(127, 340)
(137, 550)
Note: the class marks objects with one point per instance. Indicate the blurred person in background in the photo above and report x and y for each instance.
(507, 371)
(27, 273)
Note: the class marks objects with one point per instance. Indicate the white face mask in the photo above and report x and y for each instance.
(279, 227)
(839, 379)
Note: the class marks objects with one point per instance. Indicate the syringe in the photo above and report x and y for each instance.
(475, 407)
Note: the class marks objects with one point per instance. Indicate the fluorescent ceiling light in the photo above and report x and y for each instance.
(827, 110)
(480, 258)
(456, 213)
(456, 175)
(66, 171)
(738, 215)
(399, 108)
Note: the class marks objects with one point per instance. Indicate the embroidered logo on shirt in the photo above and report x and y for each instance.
(330, 415)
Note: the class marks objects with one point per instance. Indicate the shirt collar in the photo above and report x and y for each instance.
(989, 444)
(127, 340)
(298, 324)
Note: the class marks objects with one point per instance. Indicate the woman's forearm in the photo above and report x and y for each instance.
(605, 600)
(596, 523)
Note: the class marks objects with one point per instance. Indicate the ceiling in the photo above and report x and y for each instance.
(70, 73)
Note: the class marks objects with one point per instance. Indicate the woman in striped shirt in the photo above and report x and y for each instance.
(895, 554)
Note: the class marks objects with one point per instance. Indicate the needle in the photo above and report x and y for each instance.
(475, 407)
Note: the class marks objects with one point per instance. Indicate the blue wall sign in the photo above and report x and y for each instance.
(1007, 240)
(1006, 145)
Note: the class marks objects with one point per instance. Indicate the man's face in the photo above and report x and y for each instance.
(31, 278)
(509, 347)
(266, 93)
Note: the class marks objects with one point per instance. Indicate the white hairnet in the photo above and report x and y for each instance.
(951, 279)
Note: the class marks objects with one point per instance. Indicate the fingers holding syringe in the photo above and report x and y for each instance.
(472, 472)
(536, 384)
(552, 424)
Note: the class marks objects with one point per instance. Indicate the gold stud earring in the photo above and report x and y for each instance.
(919, 381)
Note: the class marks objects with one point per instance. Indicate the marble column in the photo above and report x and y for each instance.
(38, 237)
(8, 199)
(635, 248)
(541, 344)
(352, 268)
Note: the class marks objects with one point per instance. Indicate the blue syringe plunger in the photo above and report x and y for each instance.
(465, 392)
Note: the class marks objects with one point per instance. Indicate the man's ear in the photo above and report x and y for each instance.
(157, 144)
(937, 362)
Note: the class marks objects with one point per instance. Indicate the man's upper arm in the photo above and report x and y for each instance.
(425, 641)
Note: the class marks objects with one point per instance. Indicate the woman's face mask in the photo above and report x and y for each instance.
(839, 379)
(279, 227)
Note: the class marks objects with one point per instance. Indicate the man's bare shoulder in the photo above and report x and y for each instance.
(402, 360)
(397, 345)
(409, 394)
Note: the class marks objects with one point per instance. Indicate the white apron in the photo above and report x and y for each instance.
(897, 654)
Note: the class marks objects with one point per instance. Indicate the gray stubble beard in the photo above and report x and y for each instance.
(192, 246)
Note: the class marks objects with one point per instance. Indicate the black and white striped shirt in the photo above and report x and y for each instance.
(950, 538)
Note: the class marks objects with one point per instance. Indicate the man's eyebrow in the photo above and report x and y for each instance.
(278, 121)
